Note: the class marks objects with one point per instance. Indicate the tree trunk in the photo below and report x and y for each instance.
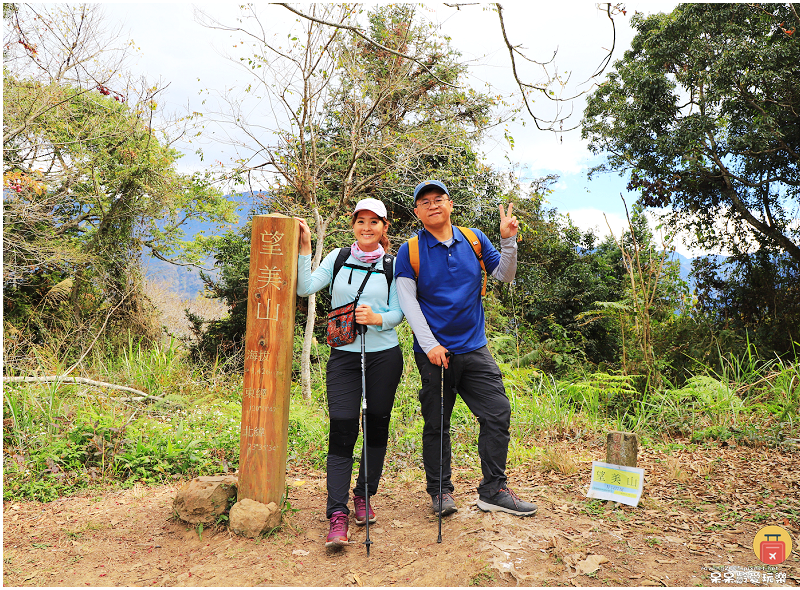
(305, 356)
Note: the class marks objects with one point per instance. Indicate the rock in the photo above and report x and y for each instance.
(250, 518)
(203, 499)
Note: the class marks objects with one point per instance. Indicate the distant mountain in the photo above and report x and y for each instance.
(686, 266)
(185, 281)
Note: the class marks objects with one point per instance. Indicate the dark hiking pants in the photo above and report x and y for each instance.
(477, 379)
(384, 369)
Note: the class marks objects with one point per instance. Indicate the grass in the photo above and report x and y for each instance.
(483, 578)
(557, 460)
(59, 438)
(675, 472)
(594, 507)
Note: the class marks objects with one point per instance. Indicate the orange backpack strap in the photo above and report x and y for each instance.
(476, 246)
(413, 254)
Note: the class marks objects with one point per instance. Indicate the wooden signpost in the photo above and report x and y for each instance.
(622, 448)
(268, 358)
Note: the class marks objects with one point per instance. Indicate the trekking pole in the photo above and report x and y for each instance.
(441, 445)
(362, 329)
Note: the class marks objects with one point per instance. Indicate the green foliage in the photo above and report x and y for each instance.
(752, 401)
(224, 338)
(702, 110)
(715, 399)
(485, 577)
(88, 185)
(584, 343)
(594, 507)
(561, 273)
(752, 297)
(601, 394)
(308, 433)
(374, 125)
(61, 438)
(56, 440)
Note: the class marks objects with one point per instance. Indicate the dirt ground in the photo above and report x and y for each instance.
(700, 511)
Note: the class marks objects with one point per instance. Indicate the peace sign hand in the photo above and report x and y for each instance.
(508, 223)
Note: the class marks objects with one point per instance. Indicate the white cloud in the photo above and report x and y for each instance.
(598, 221)
(177, 49)
(550, 154)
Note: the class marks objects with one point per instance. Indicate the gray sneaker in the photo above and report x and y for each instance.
(448, 504)
(506, 501)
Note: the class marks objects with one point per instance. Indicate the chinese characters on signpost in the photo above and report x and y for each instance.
(268, 358)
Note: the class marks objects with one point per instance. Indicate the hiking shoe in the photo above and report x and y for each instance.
(448, 504)
(506, 501)
(360, 502)
(337, 536)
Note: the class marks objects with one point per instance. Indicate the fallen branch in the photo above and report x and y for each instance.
(84, 380)
(137, 399)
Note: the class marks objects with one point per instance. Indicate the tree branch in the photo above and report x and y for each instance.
(157, 254)
(744, 213)
(100, 331)
(83, 380)
(360, 34)
(512, 49)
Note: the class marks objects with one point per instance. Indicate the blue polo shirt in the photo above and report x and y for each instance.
(449, 288)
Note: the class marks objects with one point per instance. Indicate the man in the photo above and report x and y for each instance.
(444, 308)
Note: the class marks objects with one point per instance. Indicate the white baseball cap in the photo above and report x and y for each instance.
(373, 205)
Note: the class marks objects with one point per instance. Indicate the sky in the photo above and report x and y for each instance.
(172, 46)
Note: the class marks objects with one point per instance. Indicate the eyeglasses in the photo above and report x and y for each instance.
(424, 204)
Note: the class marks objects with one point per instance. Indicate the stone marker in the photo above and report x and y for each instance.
(622, 448)
(268, 358)
(250, 518)
(204, 498)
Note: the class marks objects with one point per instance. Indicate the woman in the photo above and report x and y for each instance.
(379, 310)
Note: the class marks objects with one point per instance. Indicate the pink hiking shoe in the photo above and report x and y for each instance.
(360, 502)
(337, 536)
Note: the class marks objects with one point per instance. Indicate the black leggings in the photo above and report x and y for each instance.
(383, 371)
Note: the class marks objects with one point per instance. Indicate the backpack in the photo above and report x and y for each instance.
(413, 253)
(344, 254)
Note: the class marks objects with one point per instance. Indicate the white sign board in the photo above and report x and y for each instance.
(616, 483)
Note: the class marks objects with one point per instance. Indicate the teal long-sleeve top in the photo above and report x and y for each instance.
(345, 288)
